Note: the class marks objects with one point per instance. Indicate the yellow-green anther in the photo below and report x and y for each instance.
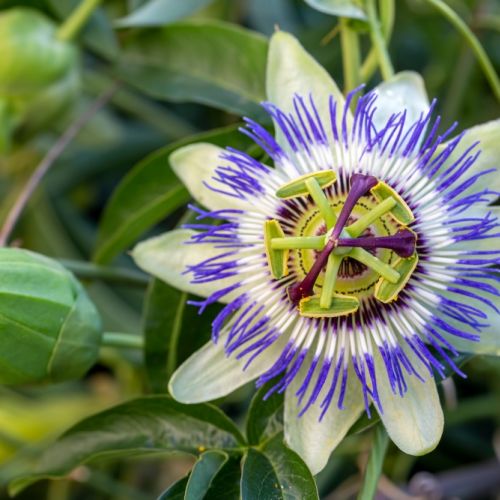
(321, 201)
(356, 228)
(298, 187)
(277, 259)
(401, 211)
(332, 269)
(298, 243)
(377, 265)
(387, 292)
(341, 305)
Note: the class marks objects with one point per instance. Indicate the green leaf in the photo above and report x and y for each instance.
(163, 313)
(265, 418)
(276, 472)
(204, 470)
(222, 480)
(176, 491)
(341, 8)
(259, 480)
(374, 465)
(160, 13)
(148, 193)
(147, 425)
(98, 34)
(167, 319)
(201, 61)
(226, 483)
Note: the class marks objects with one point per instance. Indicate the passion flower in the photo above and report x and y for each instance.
(353, 269)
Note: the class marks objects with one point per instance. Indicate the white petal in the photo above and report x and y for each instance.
(313, 440)
(291, 70)
(341, 8)
(489, 342)
(209, 374)
(404, 91)
(488, 134)
(415, 421)
(166, 257)
(195, 165)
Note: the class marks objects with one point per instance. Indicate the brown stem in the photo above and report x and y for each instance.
(48, 160)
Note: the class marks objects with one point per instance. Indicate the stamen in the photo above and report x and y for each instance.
(276, 259)
(401, 211)
(298, 186)
(357, 228)
(321, 202)
(332, 269)
(298, 242)
(366, 258)
(387, 291)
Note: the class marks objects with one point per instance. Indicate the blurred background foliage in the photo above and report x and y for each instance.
(168, 73)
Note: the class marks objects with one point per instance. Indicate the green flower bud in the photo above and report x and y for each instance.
(39, 74)
(32, 56)
(49, 328)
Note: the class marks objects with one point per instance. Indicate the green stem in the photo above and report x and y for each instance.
(459, 83)
(350, 56)
(378, 41)
(123, 340)
(374, 466)
(175, 335)
(87, 270)
(77, 20)
(473, 42)
(387, 15)
(47, 162)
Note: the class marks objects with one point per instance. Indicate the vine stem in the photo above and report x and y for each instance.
(90, 271)
(48, 160)
(378, 41)
(77, 20)
(473, 42)
(387, 13)
(371, 475)
(124, 340)
(350, 55)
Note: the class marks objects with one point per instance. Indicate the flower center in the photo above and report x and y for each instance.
(319, 293)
